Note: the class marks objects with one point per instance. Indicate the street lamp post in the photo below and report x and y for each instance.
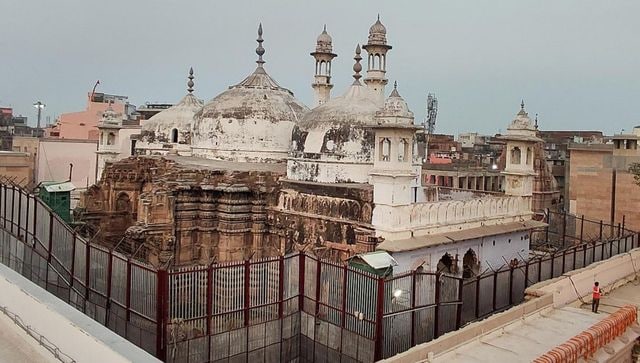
(39, 105)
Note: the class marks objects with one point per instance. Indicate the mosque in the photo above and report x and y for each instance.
(255, 173)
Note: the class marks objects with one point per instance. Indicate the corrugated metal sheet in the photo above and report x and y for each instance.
(378, 259)
(59, 187)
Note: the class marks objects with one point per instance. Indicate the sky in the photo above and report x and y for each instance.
(576, 63)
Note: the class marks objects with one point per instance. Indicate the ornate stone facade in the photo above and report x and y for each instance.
(179, 210)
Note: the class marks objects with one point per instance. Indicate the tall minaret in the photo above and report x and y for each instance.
(322, 80)
(377, 49)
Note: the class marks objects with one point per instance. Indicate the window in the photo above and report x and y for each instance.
(174, 135)
(385, 149)
(111, 139)
(403, 150)
(529, 156)
(515, 155)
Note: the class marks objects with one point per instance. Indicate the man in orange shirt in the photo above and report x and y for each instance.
(596, 297)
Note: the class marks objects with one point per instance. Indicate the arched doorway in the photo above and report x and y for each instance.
(470, 264)
(174, 135)
(447, 265)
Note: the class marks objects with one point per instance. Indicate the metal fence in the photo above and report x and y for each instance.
(287, 308)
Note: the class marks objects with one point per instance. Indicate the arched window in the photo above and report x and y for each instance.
(529, 156)
(515, 155)
(403, 150)
(470, 265)
(174, 135)
(447, 265)
(385, 149)
(123, 203)
(111, 139)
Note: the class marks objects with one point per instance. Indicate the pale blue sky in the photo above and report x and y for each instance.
(576, 63)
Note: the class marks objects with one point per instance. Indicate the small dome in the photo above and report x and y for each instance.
(522, 121)
(395, 109)
(324, 42)
(378, 33)
(179, 116)
(377, 28)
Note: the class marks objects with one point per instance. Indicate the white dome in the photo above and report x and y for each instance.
(251, 121)
(335, 133)
(179, 116)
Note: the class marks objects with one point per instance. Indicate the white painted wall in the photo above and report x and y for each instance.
(509, 245)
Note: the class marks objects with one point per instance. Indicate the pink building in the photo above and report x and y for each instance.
(82, 125)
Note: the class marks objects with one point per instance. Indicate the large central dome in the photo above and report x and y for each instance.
(251, 121)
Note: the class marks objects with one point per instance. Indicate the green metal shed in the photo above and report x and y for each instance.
(57, 195)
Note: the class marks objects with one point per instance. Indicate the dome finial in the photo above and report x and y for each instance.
(395, 93)
(260, 49)
(536, 121)
(378, 16)
(522, 105)
(357, 67)
(190, 83)
(324, 28)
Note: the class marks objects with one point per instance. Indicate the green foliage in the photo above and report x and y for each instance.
(635, 170)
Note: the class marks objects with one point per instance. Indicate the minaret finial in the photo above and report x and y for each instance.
(324, 29)
(357, 67)
(260, 49)
(190, 83)
(395, 85)
(522, 105)
(378, 16)
(536, 122)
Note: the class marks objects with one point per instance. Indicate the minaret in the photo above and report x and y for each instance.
(521, 139)
(322, 80)
(393, 174)
(377, 49)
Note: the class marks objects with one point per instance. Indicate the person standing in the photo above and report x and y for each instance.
(596, 297)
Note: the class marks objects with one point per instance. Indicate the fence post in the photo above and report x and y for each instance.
(413, 305)
(581, 229)
(564, 229)
(301, 273)
(540, 269)
(344, 297)
(553, 263)
(378, 355)
(623, 222)
(436, 318)
(548, 224)
(318, 272)
(477, 307)
(19, 209)
(247, 283)
(564, 259)
(459, 312)
(161, 311)
(280, 286)
(87, 270)
(600, 238)
(619, 230)
(128, 299)
(510, 285)
(35, 221)
(73, 254)
(495, 283)
(46, 283)
(109, 273)
(526, 274)
(208, 309)
(610, 248)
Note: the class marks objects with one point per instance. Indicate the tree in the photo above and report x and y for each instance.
(634, 169)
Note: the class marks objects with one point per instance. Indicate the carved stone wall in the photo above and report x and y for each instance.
(165, 212)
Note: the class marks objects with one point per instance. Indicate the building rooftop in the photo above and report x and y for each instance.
(203, 163)
(75, 336)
